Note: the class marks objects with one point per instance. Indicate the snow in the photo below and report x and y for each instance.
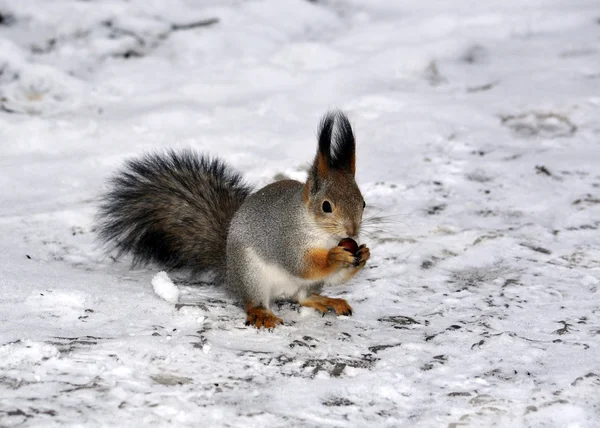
(164, 287)
(477, 131)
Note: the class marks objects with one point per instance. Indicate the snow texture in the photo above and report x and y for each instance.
(477, 151)
(164, 287)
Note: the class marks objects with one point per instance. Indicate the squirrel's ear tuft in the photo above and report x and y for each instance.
(336, 151)
(337, 146)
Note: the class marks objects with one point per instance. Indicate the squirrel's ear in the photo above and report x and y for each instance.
(336, 150)
(337, 147)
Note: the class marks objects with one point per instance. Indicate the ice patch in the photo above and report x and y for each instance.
(164, 287)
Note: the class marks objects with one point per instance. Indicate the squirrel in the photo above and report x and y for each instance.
(184, 210)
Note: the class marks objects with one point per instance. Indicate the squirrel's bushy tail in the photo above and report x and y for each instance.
(173, 209)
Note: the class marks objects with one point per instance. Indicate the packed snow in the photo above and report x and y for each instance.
(478, 154)
(164, 287)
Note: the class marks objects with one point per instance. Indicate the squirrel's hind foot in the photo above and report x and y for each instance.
(324, 304)
(261, 317)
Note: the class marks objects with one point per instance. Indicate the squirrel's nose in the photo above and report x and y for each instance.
(351, 228)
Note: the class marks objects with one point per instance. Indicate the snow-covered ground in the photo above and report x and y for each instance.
(478, 139)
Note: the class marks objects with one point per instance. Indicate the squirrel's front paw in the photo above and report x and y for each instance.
(362, 255)
(341, 257)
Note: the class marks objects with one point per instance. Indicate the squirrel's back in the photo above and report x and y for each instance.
(172, 208)
(270, 221)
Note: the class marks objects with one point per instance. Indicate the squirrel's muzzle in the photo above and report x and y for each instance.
(351, 228)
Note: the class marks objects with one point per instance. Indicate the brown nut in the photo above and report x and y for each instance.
(349, 244)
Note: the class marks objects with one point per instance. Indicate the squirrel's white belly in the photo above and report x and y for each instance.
(281, 283)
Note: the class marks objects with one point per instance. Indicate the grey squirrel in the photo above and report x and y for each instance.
(185, 210)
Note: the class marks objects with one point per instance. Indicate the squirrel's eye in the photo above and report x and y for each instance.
(364, 205)
(326, 206)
